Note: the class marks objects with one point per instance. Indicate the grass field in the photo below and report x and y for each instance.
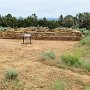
(37, 74)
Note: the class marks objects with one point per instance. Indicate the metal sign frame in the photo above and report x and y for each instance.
(26, 36)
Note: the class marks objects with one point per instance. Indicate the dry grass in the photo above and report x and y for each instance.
(25, 59)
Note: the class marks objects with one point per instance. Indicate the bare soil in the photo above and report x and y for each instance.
(25, 58)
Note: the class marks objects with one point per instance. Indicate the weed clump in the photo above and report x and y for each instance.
(48, 55)
(60, 86)
(11, 74)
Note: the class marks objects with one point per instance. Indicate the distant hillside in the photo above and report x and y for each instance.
(52, 18)
(49, 18)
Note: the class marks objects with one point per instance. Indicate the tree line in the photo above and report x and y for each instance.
(81, 20)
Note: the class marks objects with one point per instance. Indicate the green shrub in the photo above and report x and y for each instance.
(60, 86)
(71, 59)
(82, 30)
(87, 32)
(11, 74)
(3, 29)
(85, 41)
(48, 55)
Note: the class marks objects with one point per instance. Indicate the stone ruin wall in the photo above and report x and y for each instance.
(43, 34)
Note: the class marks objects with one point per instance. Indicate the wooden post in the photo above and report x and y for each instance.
(30, 39)
(23, 39)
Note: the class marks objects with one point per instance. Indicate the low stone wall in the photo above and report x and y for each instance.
(64, 38)
(57, 36)
(75, 36)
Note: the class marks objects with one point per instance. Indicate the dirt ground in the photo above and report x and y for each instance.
(25, 58)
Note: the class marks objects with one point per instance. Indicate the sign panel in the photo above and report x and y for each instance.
(26, 35)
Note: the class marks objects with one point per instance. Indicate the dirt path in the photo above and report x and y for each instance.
(25, 59)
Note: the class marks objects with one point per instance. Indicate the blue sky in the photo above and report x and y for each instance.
(43, 8)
